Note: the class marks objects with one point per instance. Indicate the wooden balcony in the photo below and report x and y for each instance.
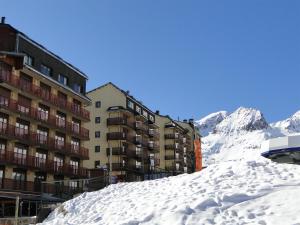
(119, 121)
(30, 138)
(172, 136)
(33, 162)
(18, 107)
(169, 157)
(121, 136)
(36, 91)
(116, 166)
(116, 151)
(153, 134)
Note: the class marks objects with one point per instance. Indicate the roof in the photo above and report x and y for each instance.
(122, 91)
(46, 50)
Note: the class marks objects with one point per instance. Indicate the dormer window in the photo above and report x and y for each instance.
(28, 60)
(62, 79)
(130, 105)
(138, 109)
(45, 70)
(77, 88)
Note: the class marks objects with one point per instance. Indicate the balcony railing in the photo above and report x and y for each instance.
(19, 107)
(28, 161)
(120, 136)
(172, 136)
(169, 157)
(37, 91)
(119, 121)
(28, 137)
(116, 151)
(116, 166)
(153, 146)
(153, 133)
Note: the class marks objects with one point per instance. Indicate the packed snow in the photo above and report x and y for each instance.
(238, 186)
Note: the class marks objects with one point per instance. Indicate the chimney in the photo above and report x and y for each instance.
(157, 112)
(3, 20)
(185, 120)
(127, 92)
(191, 120)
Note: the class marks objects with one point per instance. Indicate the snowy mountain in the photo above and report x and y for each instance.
(209, 123)
(239, 134)
(238, 186)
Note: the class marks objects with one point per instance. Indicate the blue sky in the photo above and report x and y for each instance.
(186, 58)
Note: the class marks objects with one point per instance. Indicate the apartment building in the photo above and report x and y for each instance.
(138, 141)
(124, 130)
(42, 121)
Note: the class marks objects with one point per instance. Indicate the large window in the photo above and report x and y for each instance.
(59, 141)
(42, 136)
(20, 154)
(40, 159)
(60, 119)
(58, 163)
(3, 123)
(75, 144)
(46, 70)
(75, 126)
(19, 175)
(62, 79)
(22, 128)
(43, 112)
(24, 104)
(74, 165)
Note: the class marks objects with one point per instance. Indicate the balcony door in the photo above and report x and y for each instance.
(19, 179)
(22, 129)
(4, 97)
(24, 104)
(3, 123)
(20, 154)
(40, 159)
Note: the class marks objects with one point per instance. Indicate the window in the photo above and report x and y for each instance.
(28, 60)
(97, 119)
(19, 175)
(59, 141)
(145, 113)
(3, 123)
(43, 112)
(46, 70)
(75, 144)
(130, 104)
(97, 148)
(58, 163)
(97, 164)
(98, 104)
(22, 128)
(60, 119)
(42, 136)
(75, 126)
(24, 104)
(62, 79)
(75, 165)
(151, 118)
(138, 109)
(40, 159)
(2, 148)
(97, 134)
(20, 154)
(77, 88)
(45, 91)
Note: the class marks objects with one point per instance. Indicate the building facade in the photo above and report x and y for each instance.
(42, 117)
(138, 141)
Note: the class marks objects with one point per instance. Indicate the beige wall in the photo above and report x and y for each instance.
(109, 96)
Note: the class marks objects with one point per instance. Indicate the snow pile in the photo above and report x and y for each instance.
(240, 134)
(238, 186)
(248, 192)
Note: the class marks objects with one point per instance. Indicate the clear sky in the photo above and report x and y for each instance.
(186, 58)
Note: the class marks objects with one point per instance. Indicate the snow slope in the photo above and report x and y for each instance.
(238, 186)
(248, 192)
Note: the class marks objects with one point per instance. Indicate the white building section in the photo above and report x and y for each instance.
(282, 149)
